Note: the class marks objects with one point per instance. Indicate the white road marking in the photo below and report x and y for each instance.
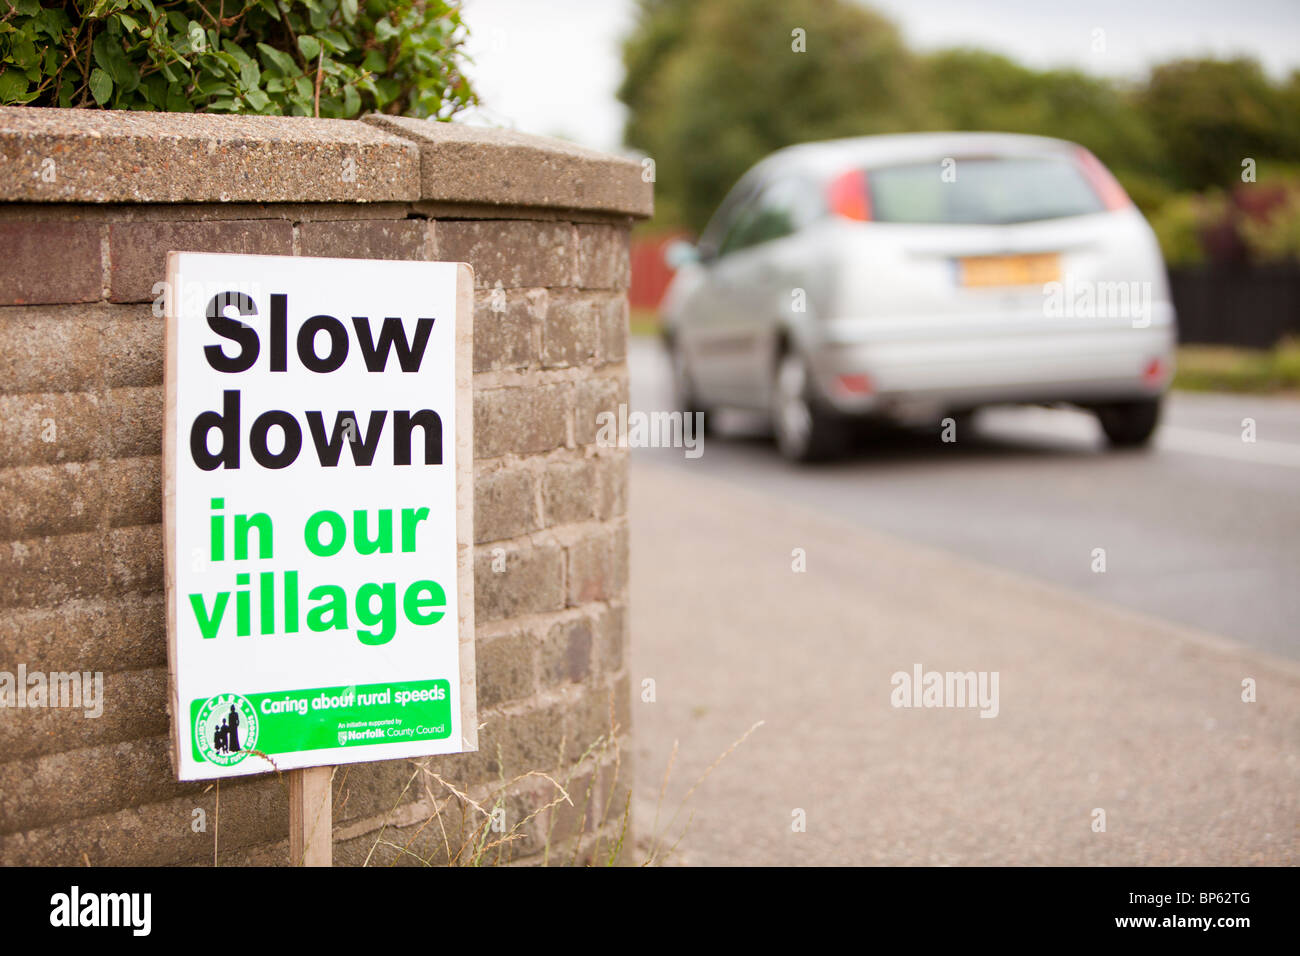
(1217, 445)
(1070, 425)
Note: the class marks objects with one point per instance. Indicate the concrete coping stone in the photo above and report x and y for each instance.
(461, 163)
(117, 156)
(73, 155)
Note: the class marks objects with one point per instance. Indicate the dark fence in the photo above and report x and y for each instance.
(1251, 306)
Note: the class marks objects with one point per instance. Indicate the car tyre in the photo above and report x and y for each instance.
(804, 431)
(685, 396)
(1129, 424)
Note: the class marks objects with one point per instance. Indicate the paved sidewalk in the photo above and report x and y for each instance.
(1098, 707)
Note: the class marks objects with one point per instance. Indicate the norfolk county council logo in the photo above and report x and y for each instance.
(226, 729)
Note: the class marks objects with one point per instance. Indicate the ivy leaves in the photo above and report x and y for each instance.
(281, 57)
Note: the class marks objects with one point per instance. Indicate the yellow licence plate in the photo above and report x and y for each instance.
(986, 271)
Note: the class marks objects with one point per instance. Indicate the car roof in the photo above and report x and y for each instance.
(830, 157)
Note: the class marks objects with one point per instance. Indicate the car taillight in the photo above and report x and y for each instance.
(1104, 184)
(848, 196)
(854, 384)
(1155, 372)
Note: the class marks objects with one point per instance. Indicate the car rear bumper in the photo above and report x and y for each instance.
(911, 368)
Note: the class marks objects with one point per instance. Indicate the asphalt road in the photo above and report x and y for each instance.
(1120, 694)
(1202, 530)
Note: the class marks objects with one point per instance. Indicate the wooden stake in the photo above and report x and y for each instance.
(311, 816)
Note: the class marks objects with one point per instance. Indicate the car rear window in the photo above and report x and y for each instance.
(984, 190)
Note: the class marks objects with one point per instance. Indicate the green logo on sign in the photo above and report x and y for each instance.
(225, 729)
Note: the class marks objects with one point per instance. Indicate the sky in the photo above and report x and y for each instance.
(552, 66)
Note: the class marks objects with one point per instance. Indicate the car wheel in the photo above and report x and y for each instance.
(684, 395)
(1129, 424)
(804, 432)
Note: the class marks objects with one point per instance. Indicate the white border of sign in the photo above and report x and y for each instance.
(464, 438)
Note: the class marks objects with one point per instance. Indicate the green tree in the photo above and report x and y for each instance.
(973, 89)
(662, 26)
(300, 57)
(1211, 114)
(713, 87)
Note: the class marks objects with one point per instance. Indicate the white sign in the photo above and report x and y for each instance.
(318, 506)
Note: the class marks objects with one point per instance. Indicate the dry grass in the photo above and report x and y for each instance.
(471, 830)
(1225, 368)
(643, 323)
(600, 839)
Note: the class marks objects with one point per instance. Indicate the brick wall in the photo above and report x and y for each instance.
(90, 203)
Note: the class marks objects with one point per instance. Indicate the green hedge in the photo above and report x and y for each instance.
(310, 57)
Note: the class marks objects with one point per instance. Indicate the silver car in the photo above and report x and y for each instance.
(917, 277)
